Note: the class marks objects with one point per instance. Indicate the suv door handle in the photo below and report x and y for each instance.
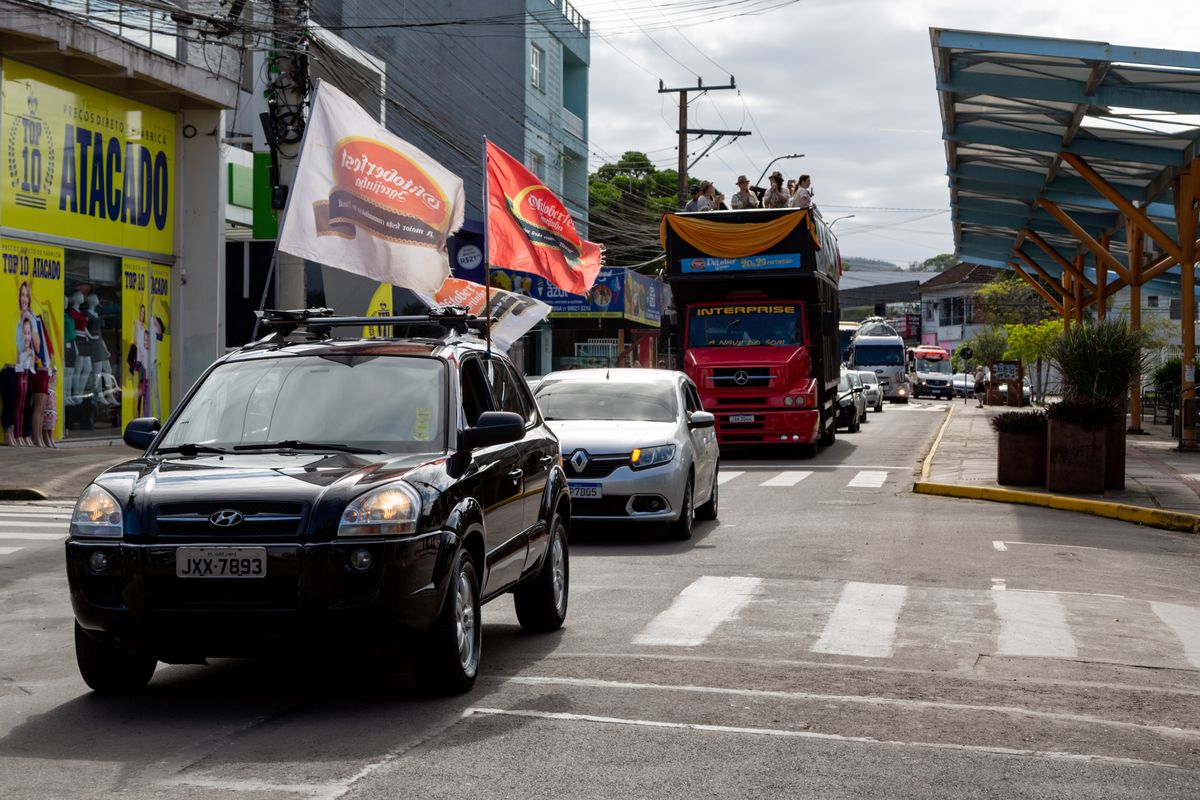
(546, 460)
(515, 475)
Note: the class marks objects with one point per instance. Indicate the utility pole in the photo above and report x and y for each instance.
(684, 130)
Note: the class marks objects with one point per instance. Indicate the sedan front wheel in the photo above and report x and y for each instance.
(681, 528)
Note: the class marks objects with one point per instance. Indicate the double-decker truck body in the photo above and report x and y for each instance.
(755, 295)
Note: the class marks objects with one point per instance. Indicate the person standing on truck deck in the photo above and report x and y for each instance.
(692, 205)
(709, 199)
(776, 196)
(743, 198)
(802, 197)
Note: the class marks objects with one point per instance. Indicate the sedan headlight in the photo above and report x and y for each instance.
(388, 511)
(97, 514)
(644, 457)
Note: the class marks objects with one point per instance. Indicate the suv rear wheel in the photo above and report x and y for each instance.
(449, 657)
(109, 668)
(542, 603)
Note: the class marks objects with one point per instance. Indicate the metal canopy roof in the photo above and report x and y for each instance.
(1011, 104)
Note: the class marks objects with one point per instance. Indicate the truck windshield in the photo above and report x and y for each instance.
(879, 355)
(938, 365)
(745, 325)
(389, 403)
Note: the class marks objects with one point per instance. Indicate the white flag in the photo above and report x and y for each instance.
(366, 201)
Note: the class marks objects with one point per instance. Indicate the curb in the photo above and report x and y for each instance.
(21, 493)
(1154, 518)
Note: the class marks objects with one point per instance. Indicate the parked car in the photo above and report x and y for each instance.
(872, 391)
(637, 445)
(851, 407)
(964, 384)
(327, 491)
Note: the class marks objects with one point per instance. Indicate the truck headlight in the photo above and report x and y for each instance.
(97, 514)
(644, 457)
(388, 511)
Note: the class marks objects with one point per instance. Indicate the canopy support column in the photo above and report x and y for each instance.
(1136, 243)
(1079, 289)
(1102, 281)
(1068, 300)
(1186, 200)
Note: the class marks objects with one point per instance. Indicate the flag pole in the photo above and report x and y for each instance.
(487, 261)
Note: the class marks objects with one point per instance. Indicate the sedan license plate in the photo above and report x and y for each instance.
(585, 491)
(220, 562)
(741, 418)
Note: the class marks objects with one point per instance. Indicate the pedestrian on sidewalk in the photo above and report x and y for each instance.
(980, 385)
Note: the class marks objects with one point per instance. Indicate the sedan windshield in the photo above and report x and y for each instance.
(649, 402)
(392, 404)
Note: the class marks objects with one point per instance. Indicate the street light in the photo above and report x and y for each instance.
(764, 172)
(848, 216)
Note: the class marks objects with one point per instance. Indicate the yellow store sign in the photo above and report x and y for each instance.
(85, 164)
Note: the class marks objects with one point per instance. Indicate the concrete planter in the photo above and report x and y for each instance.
(1114, 450)
(1021, 460)
(1075, 462)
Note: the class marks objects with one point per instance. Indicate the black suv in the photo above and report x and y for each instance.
(325, 490)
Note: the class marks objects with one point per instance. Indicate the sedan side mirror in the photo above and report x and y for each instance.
(140, 432)
(495, 427)
(701, 419)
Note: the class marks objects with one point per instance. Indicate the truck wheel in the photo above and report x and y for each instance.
(109, 668)
(829, 435)
(808, 450)
(448, 657)
(542, 603)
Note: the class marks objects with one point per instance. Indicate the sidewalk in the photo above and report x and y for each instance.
(59, 473)
(1156, 477)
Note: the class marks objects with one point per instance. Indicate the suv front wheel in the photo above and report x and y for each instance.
(449, 657)
(107, 667)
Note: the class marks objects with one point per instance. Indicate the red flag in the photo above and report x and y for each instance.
(530, 230)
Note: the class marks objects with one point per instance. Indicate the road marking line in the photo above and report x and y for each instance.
(698, 610)
(1033, 624)
(823, 466)
(864, 621)
(787, 478)
(49, 537)
(868, 479)
(999, 545)
(725, 477)
(23, 524)
(1185, 622)
(905, 703)
(998, 585)
(8, 551)
(969, 748)
(1060, 546)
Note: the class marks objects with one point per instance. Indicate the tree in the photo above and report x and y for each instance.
(989, 344)
(936, 264)
(1031, 344)
(1009, 300)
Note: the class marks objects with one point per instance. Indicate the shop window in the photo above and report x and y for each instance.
(1152, 301)
(93, 368)
(1176, 308)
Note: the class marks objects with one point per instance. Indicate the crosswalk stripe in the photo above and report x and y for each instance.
(46, 537)
(36, 510)
(8, 551)
(1186, 624)
(788, 478)
(1033, 624)
(13, 523)
(868, 479)
(725, 477)
(698, 610)
(864, 621)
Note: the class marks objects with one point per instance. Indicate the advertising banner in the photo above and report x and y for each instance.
(368, 202)
(515, 314)
(83, 163)
(145, 340)
(380, 306)
(782, 261)
(618, 293)
(643, 299)
(31, 338)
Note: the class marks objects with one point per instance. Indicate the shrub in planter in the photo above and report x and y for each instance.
(1021, 459)
(1076, 438)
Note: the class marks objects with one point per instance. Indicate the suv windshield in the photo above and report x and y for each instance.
(649, 402)
(389, 403)
(745, 325)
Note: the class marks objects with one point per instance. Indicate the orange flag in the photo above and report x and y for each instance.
(530, 230)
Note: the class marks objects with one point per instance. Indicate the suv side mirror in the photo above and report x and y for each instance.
(701, 419)
(494, 427)
(140, 432)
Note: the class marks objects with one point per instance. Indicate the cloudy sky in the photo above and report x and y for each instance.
(849, 83)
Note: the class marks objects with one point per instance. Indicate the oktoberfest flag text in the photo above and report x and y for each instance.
(531, 231)
(366, 201)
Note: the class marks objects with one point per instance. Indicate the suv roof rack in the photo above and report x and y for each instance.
(319, 322)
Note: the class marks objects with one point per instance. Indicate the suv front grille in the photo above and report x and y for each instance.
(260, 520)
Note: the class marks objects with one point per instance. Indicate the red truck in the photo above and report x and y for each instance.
(755, 299)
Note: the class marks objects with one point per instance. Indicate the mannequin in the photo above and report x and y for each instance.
(101, 358)
(83, 361)
(70, 354)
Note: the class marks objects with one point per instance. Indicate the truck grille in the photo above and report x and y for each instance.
(739, 378)
(741, 401)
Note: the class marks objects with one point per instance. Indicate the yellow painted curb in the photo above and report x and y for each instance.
(933, 449)
(1151, 517)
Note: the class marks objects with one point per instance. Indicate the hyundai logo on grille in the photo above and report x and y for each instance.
(741, 377)
(226, 518)
(579, 460)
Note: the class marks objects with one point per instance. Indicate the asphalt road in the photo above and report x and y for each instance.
(831, 636)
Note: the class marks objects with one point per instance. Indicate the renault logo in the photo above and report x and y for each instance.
(741, 377)
(579, 460)
(226, 518)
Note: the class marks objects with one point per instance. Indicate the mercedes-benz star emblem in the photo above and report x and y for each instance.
(579, 460)
(226, 518)
(741, 377)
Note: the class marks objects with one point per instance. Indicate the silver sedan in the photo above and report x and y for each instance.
(637, 445)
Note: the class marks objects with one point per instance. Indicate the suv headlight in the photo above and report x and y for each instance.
(97, 514)
(650, 456)
(388, 511)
